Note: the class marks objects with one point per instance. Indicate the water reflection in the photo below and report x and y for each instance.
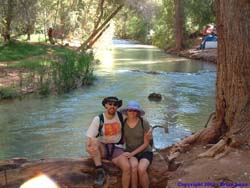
(56, 126)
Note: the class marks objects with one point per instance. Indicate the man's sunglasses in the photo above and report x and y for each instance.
(112, 104)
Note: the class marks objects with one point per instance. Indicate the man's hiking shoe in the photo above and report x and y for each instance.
(100, 177)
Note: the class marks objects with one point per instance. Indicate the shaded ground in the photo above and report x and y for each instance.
(229, 170)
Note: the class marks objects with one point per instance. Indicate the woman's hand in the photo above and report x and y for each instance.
(148, 136)
(127, 154)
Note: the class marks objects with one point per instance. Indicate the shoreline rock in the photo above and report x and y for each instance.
(209, 55)
(74, 172)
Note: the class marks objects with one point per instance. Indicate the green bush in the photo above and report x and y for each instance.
(72, 70)
(44, 89)
(8, 92)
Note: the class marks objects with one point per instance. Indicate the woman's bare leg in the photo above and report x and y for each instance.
(143, 174)
(134, 172)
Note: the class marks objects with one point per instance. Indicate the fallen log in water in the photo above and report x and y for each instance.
(73, 173)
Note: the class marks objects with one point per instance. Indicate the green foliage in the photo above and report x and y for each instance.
(45, 88)
(72, 70)
(8, 92)
(85, 68)
(32, 65)
(78, 19)
(64, 72)
(198, 13)
(18, 50)
(164, 25)
(132, 27)
(137, 29)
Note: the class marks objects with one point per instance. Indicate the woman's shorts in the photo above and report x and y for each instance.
(145, 155)
(117, 151)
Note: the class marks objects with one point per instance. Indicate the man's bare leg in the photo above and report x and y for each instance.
(123, 163)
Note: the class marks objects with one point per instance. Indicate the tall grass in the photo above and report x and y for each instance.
(72, 71)
(8, 92)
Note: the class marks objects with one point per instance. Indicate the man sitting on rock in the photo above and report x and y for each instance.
(105, 140)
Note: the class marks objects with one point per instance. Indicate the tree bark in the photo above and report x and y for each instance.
(92, 42)
(8, 20)
(233, 76)
(179, 20)
(100, 28)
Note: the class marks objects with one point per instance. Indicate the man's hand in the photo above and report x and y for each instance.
(91, 147)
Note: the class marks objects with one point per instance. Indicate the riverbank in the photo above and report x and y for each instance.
(208, 55)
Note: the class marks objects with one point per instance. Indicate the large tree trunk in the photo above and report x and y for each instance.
(179, 20)
(233, 77)
(8, 20)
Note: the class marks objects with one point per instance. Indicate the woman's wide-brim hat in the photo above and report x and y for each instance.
(133, 105)
(112, 99)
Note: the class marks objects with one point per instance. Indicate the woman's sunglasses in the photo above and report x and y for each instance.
(131, 110)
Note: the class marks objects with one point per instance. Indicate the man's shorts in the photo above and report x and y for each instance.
(117, 151)
(145, 155)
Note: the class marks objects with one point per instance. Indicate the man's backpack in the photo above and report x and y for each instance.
(101, 117)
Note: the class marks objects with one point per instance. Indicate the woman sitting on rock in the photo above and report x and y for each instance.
(137, 133)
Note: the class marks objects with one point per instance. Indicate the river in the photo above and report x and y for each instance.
(55, 126)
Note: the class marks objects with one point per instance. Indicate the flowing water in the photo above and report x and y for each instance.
(55, 126)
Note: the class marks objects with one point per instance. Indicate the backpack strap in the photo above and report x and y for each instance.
(101, 118)
(120, 117)
(142, 125)
(122, 128)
